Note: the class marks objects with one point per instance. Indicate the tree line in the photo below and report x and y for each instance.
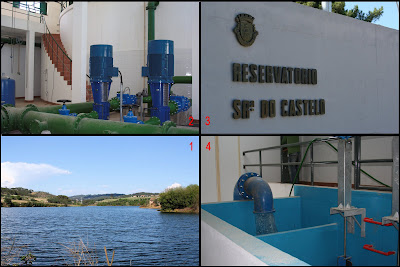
(180, 198)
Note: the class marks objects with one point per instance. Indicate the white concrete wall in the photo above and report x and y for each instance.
(66, 29)
(208, 171)
(7, 64)
(372, 147)
(54, 86)
(357, 63)
(218, 250)
(231, 161)
(195, 61)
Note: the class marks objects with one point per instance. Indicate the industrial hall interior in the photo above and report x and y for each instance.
(99, 67)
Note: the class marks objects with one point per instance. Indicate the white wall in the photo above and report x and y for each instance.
(230, 152)
(218, 250)
(208, 171)
(357, 63)
(6, 67)
(270, 174)
(372, 147)
(66, 29)
(195, 61)
(54, 87)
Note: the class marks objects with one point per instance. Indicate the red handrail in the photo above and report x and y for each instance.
(370, 247)
(370, 220)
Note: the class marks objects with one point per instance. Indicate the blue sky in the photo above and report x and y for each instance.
(72, 165)
(390, 17)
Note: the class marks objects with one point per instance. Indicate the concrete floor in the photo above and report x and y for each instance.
(20, 102)
(114, 115)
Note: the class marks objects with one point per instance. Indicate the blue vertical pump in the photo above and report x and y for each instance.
(101, 70)
(160, 70)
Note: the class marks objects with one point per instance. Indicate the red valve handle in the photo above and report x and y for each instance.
(370, 247)
(370, 220)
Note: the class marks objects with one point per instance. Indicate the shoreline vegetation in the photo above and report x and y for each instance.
(176, 200)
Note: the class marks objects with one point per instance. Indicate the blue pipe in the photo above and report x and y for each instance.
(251, 186)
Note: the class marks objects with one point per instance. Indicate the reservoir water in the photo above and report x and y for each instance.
(145, 236)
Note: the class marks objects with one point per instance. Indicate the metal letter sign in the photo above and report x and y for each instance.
(245, 30)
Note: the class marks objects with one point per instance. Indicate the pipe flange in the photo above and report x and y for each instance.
(242, 180)
(166, 125)
(80, 116)
(30, 107)
(176, 107)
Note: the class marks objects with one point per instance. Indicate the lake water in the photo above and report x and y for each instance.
(145, 236)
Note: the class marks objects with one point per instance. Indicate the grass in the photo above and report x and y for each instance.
(77, 253)
(84, 255)
(11, 254)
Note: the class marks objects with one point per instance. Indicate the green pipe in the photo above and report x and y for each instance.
(182, 79)
(151, 7)
(114, 104)
(173, 107)
(147, 99)
(153, 121)
(29, 120)
(84, 107)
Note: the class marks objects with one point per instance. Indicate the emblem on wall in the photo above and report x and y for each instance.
(245, 30)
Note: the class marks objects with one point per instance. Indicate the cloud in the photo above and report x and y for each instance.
(174, 185)
(14, 174)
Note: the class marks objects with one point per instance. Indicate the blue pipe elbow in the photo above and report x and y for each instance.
(252, 186)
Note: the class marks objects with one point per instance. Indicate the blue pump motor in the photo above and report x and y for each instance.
(160, 70)
(7, 91)
(101, 70)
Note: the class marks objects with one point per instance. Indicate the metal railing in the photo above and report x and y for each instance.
(26, 7)
(52, 44)
(29, 10)
(357, 161)
(65, 4)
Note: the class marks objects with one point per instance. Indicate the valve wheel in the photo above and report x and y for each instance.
(63, 101)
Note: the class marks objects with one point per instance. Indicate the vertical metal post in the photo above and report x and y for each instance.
(395, 176)
(344, 173)
(357, 164)
(312, 163)
(260, 163)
